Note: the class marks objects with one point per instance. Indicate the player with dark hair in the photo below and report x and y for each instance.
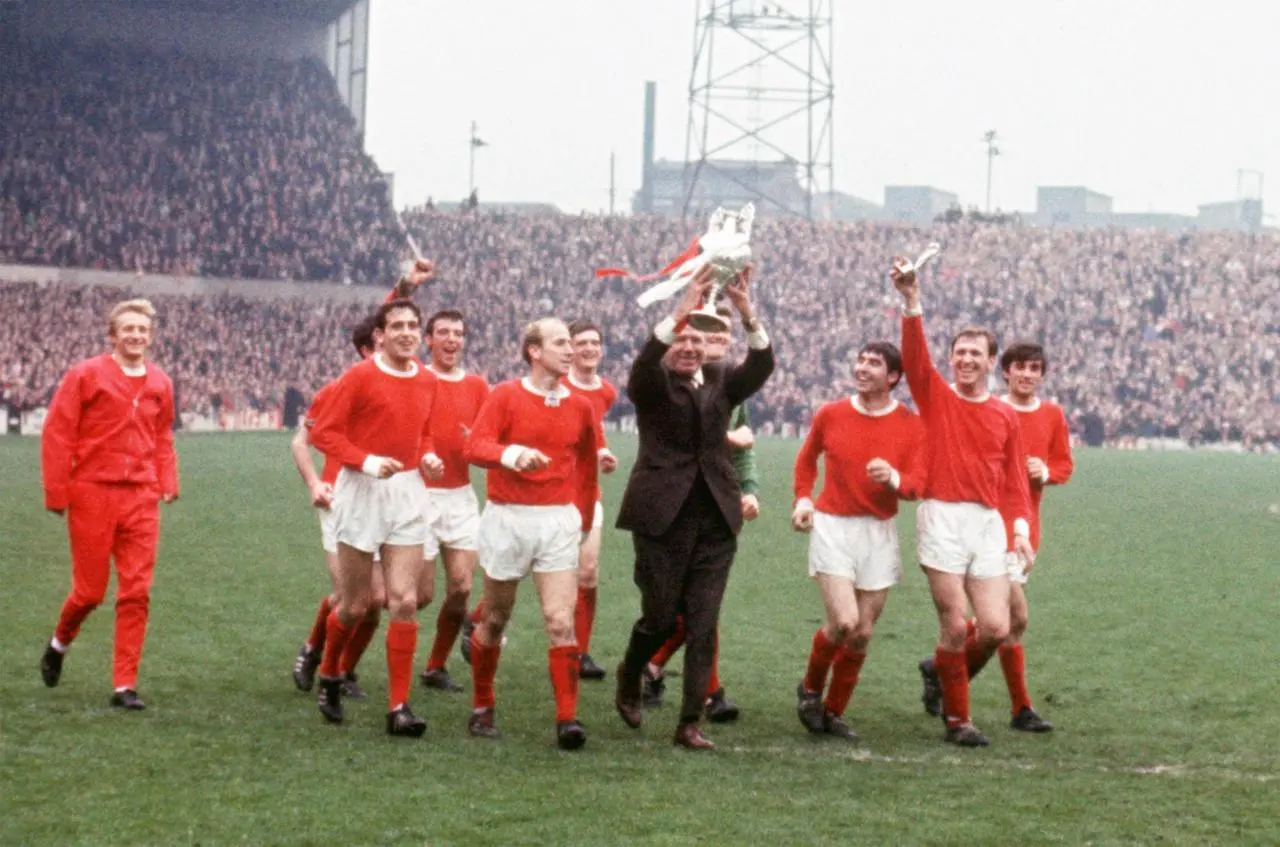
(320, 487)
(975, 480)
(872, 449)
(456, 511)
(584, 380)
(378, 426)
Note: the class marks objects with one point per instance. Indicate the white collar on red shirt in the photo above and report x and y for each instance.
(984, 398)
(878, 413)
(556, 395)
(455, 375)
(598, 384)
(382, 365)
(129, 370)
(1030, 407)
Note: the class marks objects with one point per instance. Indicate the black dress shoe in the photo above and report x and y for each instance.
(304, 668)
(835, 725)
(809, 710)
(627, 698)
(931, 695)
(720, 709)
(51, 666)
(404, 723)
(570, 735)
(127, 699)
(330, 699)
(689, 736)
(1028, 721)
(351, 686)
(481, 724)
(439, 679)
(966, 735)
(654, 690)
(588, 669)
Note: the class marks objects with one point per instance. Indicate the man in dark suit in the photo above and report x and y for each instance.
(683, 503)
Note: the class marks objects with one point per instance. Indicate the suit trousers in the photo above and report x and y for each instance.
(684, 571)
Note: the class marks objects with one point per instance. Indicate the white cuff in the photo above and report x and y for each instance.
(511, 455)
(1021, 527)
(431, 455)
(1044, 475)
(895, 479)
(603, 451)
(665, 331)
(804, 504)
(912, 313)
(372, 465)
(757, 339)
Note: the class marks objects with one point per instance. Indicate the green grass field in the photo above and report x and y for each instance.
(1153, 648)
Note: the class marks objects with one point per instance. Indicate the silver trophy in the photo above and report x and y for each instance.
(726, 246)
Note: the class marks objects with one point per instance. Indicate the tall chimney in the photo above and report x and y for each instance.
(646, 183)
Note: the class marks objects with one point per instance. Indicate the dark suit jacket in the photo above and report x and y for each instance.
(682, 432)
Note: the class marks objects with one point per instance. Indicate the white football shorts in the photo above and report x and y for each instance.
(369, 512)
(516, 540)
(961, 538)
(456, 519)
(859, 548)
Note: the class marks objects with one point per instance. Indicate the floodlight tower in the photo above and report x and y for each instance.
(761, 96)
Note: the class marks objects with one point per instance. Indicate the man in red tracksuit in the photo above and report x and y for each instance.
(108, 460)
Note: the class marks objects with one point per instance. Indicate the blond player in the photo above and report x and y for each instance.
(378, 425)
(539, 443)
(871, 446)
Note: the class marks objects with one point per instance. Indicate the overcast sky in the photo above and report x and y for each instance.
(1155, 102)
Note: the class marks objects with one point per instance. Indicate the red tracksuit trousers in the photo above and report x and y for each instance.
(106, 521)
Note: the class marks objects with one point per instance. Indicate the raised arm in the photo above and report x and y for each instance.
(647, 383)
(923, 379)
(58, 441)
(422, 271)
(754, 371)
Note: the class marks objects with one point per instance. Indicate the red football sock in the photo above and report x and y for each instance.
(484, 667)
(584, 617)
(673, 643)
(1013, 662)
(361, 635)
(844, 678)
(477, 614)
(336, 636)
(821, 655)
(954, 676)
(448, 624)
(316, 639)
(976, 654)
(402, 641)
(563, 663)
(713, 680)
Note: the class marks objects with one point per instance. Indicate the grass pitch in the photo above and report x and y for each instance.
(1152, 647)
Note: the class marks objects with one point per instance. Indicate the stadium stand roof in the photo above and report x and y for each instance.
(319, 11)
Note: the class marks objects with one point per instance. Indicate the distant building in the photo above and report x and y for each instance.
(1071, 206)
(1243, 215)
(725, 182)
(917, 204)
(838, 206)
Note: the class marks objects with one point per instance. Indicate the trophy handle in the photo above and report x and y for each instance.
(705, 318)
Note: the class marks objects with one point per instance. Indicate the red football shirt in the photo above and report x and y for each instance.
(974, 447)
(601, 397)
(563, 428)
(849, 438)
(1046, 437)
(378, 411)
(459, 397)
(328, 473)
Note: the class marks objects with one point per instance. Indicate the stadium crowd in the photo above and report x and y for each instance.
(169, 164)
(1150, 334)
(119, 159)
